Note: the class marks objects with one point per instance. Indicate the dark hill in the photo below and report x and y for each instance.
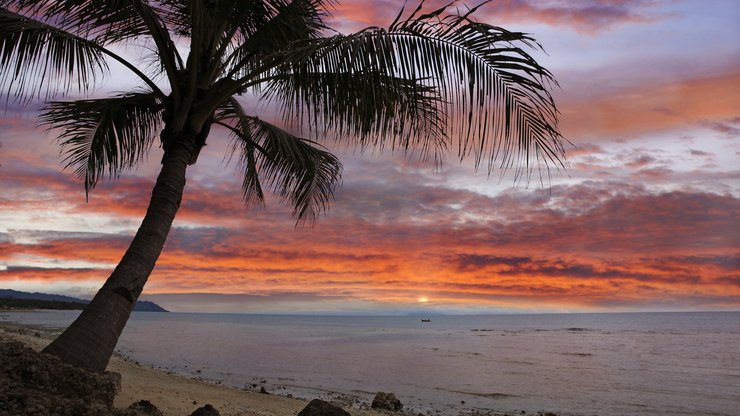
(27, 300)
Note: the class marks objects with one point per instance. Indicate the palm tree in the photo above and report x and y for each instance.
(431, 80)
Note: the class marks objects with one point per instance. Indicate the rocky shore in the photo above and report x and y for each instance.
(37, 384)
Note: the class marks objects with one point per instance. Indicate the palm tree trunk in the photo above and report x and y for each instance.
(89, 341)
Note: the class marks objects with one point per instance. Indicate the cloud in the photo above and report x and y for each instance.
(571, 245)
(48, 274)
(641, 161)
(295, 302)
(354, 15)
(585, 17)
(703, 102)
(661, 270)
(721, 127)
(701, 153)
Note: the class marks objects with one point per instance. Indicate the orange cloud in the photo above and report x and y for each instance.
(584, 17)
(605, 244)
(699, 102)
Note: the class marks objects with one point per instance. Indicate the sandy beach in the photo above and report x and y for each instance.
(179, 396)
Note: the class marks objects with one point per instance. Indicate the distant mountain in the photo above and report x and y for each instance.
(15, 303)
(8, 293)
(141, 305)
(147, 306)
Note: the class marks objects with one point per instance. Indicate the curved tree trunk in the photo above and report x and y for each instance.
(89, 341)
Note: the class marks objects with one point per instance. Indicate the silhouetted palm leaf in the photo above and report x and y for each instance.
(370, 107)
(104, 22)
(274, 28)
(493, 97)
(107, 135)
(299, 170)
(36, 57)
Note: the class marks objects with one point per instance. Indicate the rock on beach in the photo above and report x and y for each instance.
(322, 408)
(206, 410)
(35, 384)
(144, 408)
(386, 401)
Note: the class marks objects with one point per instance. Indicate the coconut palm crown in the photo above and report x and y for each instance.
(432, 80)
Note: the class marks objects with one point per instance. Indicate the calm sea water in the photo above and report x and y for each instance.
(570, 364)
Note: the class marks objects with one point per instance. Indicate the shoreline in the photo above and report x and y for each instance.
(173, 394)
(543, 365)
(178, 395)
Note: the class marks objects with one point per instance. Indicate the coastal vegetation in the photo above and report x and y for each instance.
(434, 81)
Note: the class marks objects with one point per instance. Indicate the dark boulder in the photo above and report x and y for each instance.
(386, 401)
(144, 408)
(206, 410)
(321, 408)
(35, 384)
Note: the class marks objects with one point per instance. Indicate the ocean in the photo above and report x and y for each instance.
(568, 364)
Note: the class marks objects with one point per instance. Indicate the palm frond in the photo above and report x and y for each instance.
(498, 89)
(376, 109)
(277, 25)
(301, 171)
(37, 58)
(105, 136)
(495, 98)
(103, 21)
(106, 22)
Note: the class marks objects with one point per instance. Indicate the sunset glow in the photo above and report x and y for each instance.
(646, 217)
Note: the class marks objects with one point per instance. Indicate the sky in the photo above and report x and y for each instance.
(645, 218)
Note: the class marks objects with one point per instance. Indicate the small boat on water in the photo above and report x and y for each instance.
(426, 320)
